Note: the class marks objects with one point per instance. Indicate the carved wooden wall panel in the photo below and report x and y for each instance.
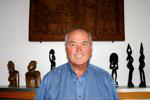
(49, 20)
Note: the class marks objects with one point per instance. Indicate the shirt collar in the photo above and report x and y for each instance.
(74, 74)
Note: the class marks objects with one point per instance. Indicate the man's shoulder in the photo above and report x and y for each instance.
(57, 70)
(97, 69)
(53, 75)
(60, 68)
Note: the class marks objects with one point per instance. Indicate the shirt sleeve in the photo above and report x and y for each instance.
(111, 87)
(44, 89)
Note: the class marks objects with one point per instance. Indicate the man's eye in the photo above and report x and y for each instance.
(72, 44)
(85, 44)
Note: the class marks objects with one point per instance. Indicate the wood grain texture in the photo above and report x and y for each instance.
(50, 20)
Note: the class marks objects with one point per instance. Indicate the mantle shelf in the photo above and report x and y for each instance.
(133, 93)
(135, 89)
(29, 93)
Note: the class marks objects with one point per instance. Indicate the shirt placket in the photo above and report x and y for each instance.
(80, 88)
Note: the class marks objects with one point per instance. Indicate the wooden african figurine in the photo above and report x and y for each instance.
(114, 66)
(52, 58)
(13, 75)
(141, 66)
(33, 78)
(130, 66)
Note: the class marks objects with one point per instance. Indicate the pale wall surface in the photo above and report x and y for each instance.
(14, 44)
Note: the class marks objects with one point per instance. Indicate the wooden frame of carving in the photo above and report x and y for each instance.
(50, 20)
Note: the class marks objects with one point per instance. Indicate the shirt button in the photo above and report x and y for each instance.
(79, 96)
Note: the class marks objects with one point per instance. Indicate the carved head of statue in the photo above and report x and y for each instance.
(32, 65)
(11, 66)
(129, 50)
(52, 52)
(141, 49)
(113, 61)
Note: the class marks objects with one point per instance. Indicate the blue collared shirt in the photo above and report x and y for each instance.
(62, 83)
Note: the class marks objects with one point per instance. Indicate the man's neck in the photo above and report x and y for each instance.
(79, 69)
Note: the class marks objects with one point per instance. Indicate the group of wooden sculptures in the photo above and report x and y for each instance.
(33, 77)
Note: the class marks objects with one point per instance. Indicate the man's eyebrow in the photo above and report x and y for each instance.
(71, 41)
(85, 42)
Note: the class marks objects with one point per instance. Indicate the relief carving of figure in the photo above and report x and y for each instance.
(130, 66)
(114, 66)
(13, 75)
(33, 77)
(141, 67)
(52, 58)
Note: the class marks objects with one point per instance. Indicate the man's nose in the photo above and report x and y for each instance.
(79, 48)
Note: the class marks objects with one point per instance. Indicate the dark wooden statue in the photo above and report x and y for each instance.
(130, 66)
(13, 75)
(52, 58)
(141, 66)
(114, 66)
(33, 78)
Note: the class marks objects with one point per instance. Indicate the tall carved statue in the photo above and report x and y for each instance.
(13, 75)
(33, 77)
(114, 66)
(141, 66)
(130, 66)
(52, 58)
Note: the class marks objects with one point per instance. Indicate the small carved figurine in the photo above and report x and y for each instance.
(141, 66)
(33, 78)
(114, 66)
(52, 58)
(13, 75)
(130, 66)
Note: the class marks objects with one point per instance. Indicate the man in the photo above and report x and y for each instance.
(77, 79)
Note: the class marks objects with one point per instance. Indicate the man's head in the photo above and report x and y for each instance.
(78, 47)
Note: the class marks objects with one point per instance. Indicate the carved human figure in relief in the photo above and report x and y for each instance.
(52, 58)
(141, 66)
(33, 78)
(130, 66)
(114, 66)
(13, 75)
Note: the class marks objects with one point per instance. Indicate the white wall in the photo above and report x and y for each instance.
(14, 44)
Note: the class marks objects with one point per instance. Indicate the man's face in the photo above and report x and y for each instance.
(79, 47)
